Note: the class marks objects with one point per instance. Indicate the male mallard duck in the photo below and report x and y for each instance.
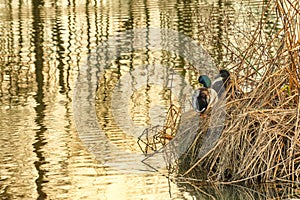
(206, 96)
(221, 81)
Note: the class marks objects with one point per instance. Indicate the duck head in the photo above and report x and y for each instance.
(224, 74)
(205, 81)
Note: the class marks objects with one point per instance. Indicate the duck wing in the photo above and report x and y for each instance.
(213, 97)
(219, 84)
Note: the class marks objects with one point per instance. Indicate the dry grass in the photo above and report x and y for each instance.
(261, 139)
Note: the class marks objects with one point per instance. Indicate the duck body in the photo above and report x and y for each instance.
(220, 82)
(205, 97)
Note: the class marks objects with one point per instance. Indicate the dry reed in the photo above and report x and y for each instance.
(261, 138)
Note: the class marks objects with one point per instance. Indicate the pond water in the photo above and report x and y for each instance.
(45, 44)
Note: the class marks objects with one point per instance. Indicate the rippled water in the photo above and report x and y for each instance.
(43, 47)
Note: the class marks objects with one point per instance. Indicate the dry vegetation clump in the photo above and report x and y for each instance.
(261, 138)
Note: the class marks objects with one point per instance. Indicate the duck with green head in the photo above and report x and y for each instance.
(207, 95)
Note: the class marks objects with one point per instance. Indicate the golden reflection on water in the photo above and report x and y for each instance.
(125, 108)
(42, 47)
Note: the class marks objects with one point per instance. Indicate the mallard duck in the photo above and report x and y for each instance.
(220, 82)
(206, 96)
